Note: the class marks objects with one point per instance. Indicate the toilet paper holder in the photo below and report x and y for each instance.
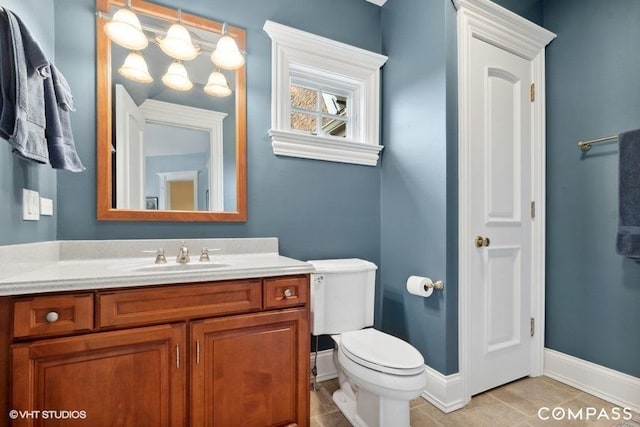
(437, 285)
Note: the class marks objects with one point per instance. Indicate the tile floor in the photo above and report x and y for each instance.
(514, 404)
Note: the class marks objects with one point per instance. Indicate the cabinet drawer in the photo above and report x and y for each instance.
(49, 315)
(286, 291)
(178, 302)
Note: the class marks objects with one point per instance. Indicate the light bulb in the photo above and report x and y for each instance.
(217, 85)
(135, 68)
(125, 30)
(227, 55)
(176, 77)
(177, 44)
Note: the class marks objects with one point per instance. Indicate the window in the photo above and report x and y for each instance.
(325, 98)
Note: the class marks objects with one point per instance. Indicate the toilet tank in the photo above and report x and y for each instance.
(342, 295)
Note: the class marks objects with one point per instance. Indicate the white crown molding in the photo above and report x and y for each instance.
(181, 115)
(608, 384)
(489, 21)
(337, 51)
(294, 144)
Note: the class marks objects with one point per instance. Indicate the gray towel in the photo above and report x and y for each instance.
(30, 68)
(7, 81)
(628, 239)
(35, 101)
(58, 106)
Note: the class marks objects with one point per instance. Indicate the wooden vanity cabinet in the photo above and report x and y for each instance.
(120, 378)
(246, 370)
(209, 354)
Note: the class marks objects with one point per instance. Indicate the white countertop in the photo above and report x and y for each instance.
(72, 265)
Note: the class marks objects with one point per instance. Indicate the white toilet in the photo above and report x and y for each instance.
(379, 374)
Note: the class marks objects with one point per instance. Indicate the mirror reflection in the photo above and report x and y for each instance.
(177, 115)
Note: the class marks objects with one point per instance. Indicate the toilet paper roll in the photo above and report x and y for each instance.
(421, 286)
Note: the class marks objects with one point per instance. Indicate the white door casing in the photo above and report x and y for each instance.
(129, 152)
(501, 170)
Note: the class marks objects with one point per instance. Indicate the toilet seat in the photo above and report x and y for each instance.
(381, 352)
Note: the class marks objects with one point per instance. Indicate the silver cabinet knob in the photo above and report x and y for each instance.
(288, 293)
(52, 317)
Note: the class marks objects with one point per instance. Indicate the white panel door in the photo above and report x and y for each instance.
(129, 152)
(500, 188)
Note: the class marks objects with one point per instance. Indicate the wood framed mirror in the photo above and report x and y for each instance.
(165, 154)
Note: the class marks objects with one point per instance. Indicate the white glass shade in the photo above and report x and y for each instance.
(177, 44)
(217, 85)
(176, 77)
(135, 68)
(125, 30)
(227, 55)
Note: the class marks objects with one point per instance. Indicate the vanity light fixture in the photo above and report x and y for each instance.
(176, 77)
(125, 29)
(227, 55)
(135, 68)
(177, 44)
(217, 85)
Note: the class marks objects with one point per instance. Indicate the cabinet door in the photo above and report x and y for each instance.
(129, 378)
(251, 370)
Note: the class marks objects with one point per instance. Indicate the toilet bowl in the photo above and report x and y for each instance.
(379, 374)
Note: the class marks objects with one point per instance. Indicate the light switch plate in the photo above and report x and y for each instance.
(30, 205)
(46, 206)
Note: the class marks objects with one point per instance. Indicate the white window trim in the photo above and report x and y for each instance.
(299, 50)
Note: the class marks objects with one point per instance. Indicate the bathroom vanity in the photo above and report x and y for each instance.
(132, 343)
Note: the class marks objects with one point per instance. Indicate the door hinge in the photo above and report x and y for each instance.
(533, 326)
(533, 209)
(532, 92)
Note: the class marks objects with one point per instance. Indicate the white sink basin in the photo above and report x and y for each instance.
(180, 267)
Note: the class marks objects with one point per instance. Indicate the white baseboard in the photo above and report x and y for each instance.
(443, 391)
(326, 368)
(612, 386)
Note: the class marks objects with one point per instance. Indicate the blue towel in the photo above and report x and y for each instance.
(7, 80)
(29, 67)
(35, 101)
(628, 239)
(58, 106)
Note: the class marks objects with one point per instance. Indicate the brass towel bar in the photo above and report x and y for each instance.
(586, 145)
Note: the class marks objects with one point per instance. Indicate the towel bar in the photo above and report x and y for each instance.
(586, 145)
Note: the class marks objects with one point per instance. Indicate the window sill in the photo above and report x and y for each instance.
(294, 144)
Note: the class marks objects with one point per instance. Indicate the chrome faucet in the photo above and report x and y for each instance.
(183, 254)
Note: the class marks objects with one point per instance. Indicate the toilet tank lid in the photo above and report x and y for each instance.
(351, 265)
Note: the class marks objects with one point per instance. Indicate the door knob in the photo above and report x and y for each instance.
(481, 241)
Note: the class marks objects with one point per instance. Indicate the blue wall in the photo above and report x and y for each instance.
(317, 209)
(16, 174)
(419, 176)
(593, 90)
(403, 216)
